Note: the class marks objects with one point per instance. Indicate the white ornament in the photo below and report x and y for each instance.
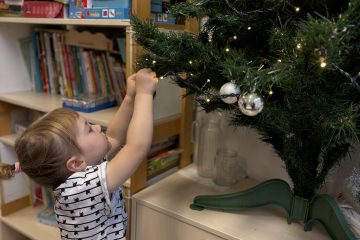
(251, 104)
(227, 89)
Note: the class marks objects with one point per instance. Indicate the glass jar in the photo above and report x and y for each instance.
(209, 135)
(229, 168)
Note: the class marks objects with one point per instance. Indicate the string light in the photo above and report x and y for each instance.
(297, 9)
(208, 80)
(190, 62)
(207, 100)
(235, 37)
(298, 46)
(271, 92)
(249, 28)
(153, 61)
(322, 62)
(227, 49)
(162, 77)
(279, 60)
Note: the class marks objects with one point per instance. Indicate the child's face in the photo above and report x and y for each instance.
(92, 141)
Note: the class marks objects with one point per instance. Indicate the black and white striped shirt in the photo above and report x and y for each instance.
(85, 210)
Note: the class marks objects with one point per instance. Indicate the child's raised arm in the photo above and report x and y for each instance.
(117, 129)
(139, 133)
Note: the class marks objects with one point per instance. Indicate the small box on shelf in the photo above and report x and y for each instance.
(44, 9)
(89, 104)
(163, 162)
(11, 8)
(99, 9)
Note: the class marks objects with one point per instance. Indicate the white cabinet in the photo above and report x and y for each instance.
(162, 212)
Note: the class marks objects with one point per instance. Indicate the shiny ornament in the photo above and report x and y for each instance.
(227, 89)
(251, 104)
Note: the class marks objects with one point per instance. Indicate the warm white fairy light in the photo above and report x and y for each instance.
(207, 99)
(279, 60)
(190, 62)
(208, 80)
(162, 77)
(297, 9)
(249, 28)
(235, 37)
(271, 92)
(191, 74)
(227, 49)
(322, 62)
(153, 61)
(298, 46)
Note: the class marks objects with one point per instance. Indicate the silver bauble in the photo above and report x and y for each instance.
(227, 89)
(251, 104)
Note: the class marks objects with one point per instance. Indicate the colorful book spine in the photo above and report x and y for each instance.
(37, 70)
(102, 76)
(44, 71)
(87, 73)
(49, 63)
(95, 73)
(77, 70)
(57, 54)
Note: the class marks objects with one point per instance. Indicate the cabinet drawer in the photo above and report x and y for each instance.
(153, 225)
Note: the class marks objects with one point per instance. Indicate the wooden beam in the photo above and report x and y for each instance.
(5, 118)
(186, 120)
(14, 206)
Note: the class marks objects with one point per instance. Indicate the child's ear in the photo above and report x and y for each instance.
(75, 164)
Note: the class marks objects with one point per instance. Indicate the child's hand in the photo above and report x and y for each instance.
(146, 81)
(130, 86)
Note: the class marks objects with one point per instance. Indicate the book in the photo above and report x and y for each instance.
(43, 65)
(88, 77)
(115, 83)
(49, 63)
(27, 52)
(36, 61)
(47, 215)
(163, 162)
(104, 85)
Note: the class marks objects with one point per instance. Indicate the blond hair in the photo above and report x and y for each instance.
(45, 146)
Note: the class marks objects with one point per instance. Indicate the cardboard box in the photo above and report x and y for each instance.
(108, 13)
(98, 9)
(111, 4)
(44, 9)
(163, 162)
(162, 18)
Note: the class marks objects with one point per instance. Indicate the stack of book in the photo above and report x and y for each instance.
(79, 66)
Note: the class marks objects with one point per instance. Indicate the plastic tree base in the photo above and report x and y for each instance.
(321, 208)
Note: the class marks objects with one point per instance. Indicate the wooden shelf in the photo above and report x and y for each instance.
(45, 102)
(171, 26)
(25, 222)
(9, 140)
(60, 21)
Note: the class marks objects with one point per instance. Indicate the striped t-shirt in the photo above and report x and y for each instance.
(85, 210)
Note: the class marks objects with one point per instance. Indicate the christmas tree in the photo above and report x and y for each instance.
(288, 69)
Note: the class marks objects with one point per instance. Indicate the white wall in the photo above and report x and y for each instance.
(263, 163)
(12, 67)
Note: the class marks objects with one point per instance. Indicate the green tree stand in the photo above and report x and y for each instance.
(321, 208)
